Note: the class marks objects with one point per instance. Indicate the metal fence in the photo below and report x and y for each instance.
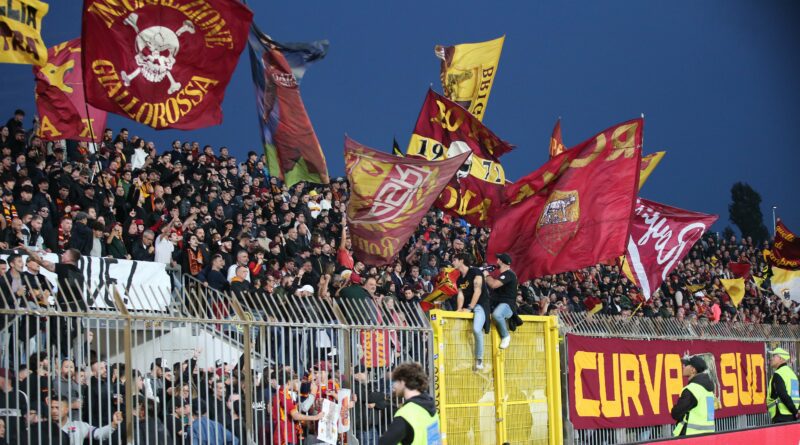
(246, 367)
(643, 328)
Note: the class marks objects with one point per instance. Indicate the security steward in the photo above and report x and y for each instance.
(694, 410)
(784, 395)
(416, 422)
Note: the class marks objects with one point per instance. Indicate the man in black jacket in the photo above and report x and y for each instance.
(418, 413)
(81, 238)
(694, 368)
(143, 250)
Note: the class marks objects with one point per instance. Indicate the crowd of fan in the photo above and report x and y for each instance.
(233, 227)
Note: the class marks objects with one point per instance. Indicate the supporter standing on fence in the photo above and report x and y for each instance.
(694, 410)
(504, 297)
(416, 422)
(472, 285)
(784, 394)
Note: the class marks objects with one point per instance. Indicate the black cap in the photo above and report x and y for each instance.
(504, 257)
(695, 362)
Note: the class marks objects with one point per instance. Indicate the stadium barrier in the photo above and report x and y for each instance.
(514, 399)
(743, 376)
(205, 343)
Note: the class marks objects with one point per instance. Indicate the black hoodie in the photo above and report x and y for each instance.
(400, 431)
(687, 401)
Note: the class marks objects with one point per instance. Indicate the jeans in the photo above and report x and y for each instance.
(477, 330)
(369, 437)
(502, 313)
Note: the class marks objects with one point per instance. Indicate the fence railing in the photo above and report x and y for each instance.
(255, 366)
(644, 328)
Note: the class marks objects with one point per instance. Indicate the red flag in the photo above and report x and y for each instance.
(740, 270)
(556, 142)
(163, 64)
(445, 129)
(785, 251)
(389, 197)
(60, 100)
(661, 236)
(574, 211)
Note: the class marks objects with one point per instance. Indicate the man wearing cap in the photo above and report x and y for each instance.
(783, 400)
(694, 410)
(504, 297)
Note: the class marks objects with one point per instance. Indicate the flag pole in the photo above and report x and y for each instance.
(636, 310)
(774, 221)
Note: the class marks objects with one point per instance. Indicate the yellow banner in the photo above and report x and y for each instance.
(468, 72)
(433, 150)
(20, 26)
(735, 289)
(649, 164)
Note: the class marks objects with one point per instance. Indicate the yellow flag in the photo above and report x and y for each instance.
(468, 72)
(758, 280)
(649, 164)
(21, 24)
(735, 289)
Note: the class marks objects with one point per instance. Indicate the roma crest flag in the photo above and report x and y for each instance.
(60, 100)
(786, 284)
(163, 64)
(389, 197)
(468, 72)
(785, 251)
(575, 210)
(649, 163)
(660, 237)
(445, 129)
(556, 142)
(20, 28)
(292, 148)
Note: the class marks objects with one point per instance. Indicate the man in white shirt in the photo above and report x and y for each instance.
(76, 430)
(242, 259)
(164, 245)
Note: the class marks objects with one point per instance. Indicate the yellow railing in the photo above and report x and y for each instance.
(515, 399)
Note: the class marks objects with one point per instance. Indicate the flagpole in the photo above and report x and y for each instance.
(636, 310)
(774, 221)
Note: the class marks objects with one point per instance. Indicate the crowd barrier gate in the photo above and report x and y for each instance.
(516, 397)
(643, 328)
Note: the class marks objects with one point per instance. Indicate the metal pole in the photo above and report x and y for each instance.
(774, 221)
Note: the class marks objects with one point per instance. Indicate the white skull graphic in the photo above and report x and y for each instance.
(455, 149)
(156, 48)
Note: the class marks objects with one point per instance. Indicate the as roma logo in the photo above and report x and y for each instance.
(559, 220)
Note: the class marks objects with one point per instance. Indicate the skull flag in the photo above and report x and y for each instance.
(59, 97)
(162, 64)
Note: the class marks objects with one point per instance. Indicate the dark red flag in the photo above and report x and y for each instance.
(785, 252)
(661, 236)
(740, 270)
(59, 97)
(163, 64)
(390, 195)
(445, 129)
(575, 210)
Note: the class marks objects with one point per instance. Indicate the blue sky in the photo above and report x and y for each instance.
(717, 81)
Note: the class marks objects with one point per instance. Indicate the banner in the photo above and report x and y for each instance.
(60, 100)
(615, 383)
(575, 210)
(468, 72)
(785, 252)
(556, 141)
(293, 151)
(443, 130)
(649, 163)
(21, 32)
(660, 237)
(163, 64)
(128, 277)
(389, 197)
